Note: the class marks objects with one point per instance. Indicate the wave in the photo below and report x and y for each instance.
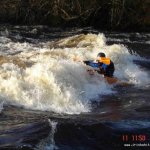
(53, 77)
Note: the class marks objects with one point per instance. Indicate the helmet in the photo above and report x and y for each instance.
(101, 55)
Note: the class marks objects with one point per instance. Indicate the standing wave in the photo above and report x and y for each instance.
(53, 78)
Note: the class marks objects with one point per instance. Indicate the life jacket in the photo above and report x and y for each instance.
(104, 60)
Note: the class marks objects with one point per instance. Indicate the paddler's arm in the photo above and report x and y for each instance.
(92, 64)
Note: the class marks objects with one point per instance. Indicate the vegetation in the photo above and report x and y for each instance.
(103, 14)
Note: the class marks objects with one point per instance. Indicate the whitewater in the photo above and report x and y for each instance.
(50, 75)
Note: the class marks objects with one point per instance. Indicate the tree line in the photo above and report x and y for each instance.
(102, 14)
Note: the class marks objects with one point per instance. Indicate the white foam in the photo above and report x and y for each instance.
(125, 68)
(34, 31)
(5, 33)
(148, 42)
(18, 37)
(49, 142)
(52, 81)
(119, 40)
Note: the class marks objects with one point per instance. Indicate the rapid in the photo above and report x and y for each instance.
(51, 76)
(42, 73)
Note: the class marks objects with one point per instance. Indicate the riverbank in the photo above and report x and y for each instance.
(112, 15)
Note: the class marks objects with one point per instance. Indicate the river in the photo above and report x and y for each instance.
(48, 100)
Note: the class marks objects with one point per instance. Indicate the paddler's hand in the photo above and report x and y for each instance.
(86, 62)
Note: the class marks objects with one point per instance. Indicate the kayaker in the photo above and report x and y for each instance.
(103, 64)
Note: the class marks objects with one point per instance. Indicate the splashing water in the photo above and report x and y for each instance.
(53, 78)
(49, 142)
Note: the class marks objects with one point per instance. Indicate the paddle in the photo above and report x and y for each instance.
(110, 80)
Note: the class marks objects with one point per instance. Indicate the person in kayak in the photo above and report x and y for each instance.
(103, 64)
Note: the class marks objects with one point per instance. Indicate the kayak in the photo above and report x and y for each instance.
(110, 80)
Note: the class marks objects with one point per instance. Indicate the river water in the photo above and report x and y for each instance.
(48, 100)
